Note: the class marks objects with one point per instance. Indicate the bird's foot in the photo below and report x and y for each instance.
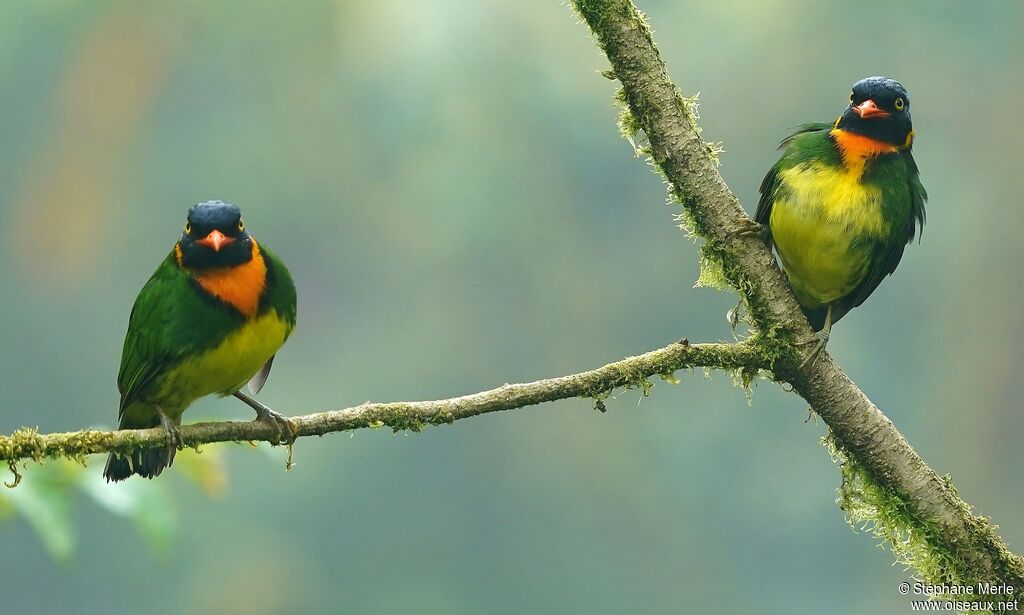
(747, 228)
(173, 437)
(822, 341)
(285, 428)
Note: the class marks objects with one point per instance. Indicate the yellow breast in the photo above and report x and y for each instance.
(816, 223)
(227, 367)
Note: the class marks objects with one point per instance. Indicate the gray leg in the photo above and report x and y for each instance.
(173, 437)
(282, 424)
(822, 340)
(747, 228)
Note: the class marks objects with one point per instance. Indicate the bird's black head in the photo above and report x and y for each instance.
(214, 237)
(879, 108)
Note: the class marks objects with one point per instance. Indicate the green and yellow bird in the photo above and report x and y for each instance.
(843, 202)
(209, 320)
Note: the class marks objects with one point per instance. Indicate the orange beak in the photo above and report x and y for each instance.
(869, 109)
(215, 240)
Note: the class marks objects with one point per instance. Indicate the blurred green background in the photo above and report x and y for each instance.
(446, 183)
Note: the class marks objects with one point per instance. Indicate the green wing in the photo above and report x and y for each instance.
(903, 200)
(146, 353)
(791, 155)
(280, 293)
(918, 196)
(171, 320)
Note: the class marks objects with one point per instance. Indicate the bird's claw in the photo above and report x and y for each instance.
(283, 426)
(747, 228)
(264, 414)
(173, 437)
(822, 341)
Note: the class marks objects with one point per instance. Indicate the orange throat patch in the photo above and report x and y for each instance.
(240, 286)
(856, 149)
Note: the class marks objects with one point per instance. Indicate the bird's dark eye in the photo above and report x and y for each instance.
(241, 226)
(188, 228)
(851, 96)
(900, 103)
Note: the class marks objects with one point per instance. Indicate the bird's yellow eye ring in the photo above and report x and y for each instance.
(241, 226)
(900, 104)
(188, 228)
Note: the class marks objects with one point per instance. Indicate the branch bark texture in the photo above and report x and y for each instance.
(963, 548)
(632, 372)
(968, 545)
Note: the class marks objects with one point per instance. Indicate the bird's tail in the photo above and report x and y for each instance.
(816, 317)
(147, 462)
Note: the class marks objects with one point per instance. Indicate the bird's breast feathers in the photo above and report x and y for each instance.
(240, 286)
(240, 351)
(226, 367)
(819, 219)
(857, 149)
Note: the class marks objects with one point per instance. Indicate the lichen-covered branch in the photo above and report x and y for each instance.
(882, 472)
(885, 482)
(597, 384)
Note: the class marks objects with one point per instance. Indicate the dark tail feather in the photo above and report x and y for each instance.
(816, 317)
(148, 462)
(117, 469)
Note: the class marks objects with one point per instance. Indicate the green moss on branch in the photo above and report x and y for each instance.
(633, 372)
(889, 486)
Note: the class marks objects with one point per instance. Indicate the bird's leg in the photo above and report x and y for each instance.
(173, 436)
(279, 422)
(747, 228)
(822, 339)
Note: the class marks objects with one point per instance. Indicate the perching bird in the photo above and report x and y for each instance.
(209, 320)
(843, 201)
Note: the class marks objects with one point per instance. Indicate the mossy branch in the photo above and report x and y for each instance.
(908, 498)
(885, 482)
(597, 384)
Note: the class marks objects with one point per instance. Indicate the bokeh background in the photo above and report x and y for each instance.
(447, 184)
